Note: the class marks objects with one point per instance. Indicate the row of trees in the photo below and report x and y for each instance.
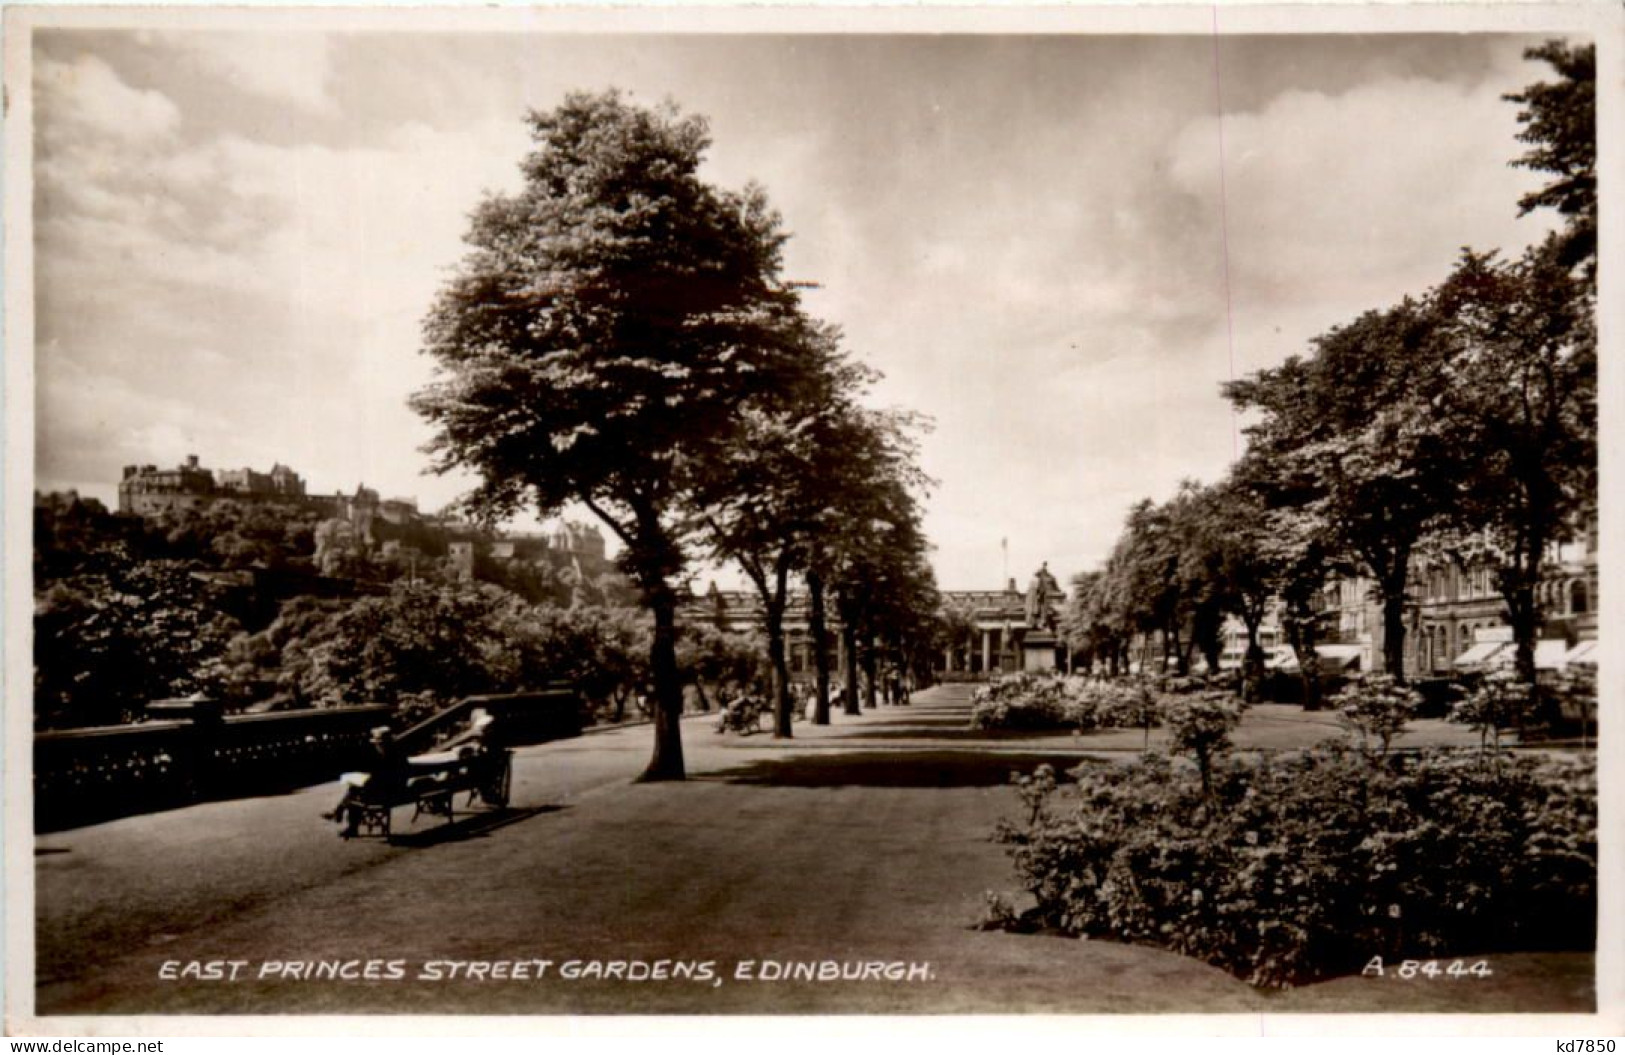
(422, 645)
(620, 335)
(1460, 424)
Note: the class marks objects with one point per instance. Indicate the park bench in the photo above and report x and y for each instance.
(429, 783)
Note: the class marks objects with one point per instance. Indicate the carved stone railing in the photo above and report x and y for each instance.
(86, 775)
(192, 754)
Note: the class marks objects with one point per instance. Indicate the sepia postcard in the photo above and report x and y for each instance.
(523, 518)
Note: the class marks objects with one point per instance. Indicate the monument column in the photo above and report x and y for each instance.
(948, 659)
(987, 651)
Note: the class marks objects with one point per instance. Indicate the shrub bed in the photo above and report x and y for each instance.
(1302, 866)
(1049, 702)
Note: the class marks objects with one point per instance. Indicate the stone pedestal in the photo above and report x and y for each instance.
(1038, 651)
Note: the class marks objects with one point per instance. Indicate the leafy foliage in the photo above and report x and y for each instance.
(1350, 437)
(108, 642)
(437, 643)
(1502, 700)
(1201, 725)
(1524, 401)
(1051, 701)
(613, 325)
(1559, 121)
(1303, 866)
(1375, 708)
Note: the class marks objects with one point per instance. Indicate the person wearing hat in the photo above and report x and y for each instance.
(384, 770)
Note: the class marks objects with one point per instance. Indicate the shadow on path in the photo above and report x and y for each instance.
(893, 769)
(473, 826)
(958, 732)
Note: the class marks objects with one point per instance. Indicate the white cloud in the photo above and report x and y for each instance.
(294, 68)
(1354, 200)
(86, 98)
(284, 282)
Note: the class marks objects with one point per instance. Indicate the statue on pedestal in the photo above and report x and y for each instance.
(1042, 592)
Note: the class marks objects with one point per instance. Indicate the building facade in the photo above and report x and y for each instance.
(1451, 609)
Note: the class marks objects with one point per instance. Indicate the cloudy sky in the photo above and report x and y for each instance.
(1057, 247)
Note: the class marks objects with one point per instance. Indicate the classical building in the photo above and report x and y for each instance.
(1005, 630)
(739, 611)
(997, 625)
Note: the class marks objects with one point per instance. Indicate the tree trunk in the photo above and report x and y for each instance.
(869, 673)
(1207, 631)
(1212, 653)
(818, 625)
(849, 637)
(1252, 664)
(667, 762)
(1523, 606)
(1182, 663)
(1300, 633)
(781, 675)
(1393, 632)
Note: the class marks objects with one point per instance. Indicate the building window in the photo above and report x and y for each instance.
(1579, 602)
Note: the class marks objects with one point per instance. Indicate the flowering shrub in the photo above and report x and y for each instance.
(1031, 701)
(1306, 865)
(1019, 701)
(1201, 727)
(1180, 685)
(1500, 701)
(1127, 705)
(1375, 708)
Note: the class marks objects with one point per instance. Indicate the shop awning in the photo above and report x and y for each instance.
(1551, 654)
(1333, 658)
(1583, 654)
(1481, 654)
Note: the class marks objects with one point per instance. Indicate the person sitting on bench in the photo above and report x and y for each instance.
(383, 774)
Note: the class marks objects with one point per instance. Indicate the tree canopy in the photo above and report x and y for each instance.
(1559, 121)
(611, 327)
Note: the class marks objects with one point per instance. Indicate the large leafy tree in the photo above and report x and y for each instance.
(1351, 437)
(1206, 547)
(766, 505)
(429, 641)
(1525, 358)
(1092, 634)
(880, 575)
(1228, 547)
(108, 642)
(868, 525)
(1559, 121)
(719, 658)
(609, 324)
(1525, 396)
(1145, 564)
